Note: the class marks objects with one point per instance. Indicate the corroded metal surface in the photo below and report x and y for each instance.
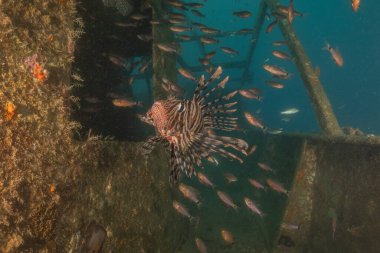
(164, 63)
(334, 198)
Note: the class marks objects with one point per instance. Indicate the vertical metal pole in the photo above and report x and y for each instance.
(326, 117)
(164, 63)
(255, 37)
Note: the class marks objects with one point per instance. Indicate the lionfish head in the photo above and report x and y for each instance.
(147, 118)
(156, 116)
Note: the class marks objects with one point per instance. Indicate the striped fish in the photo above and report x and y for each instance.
(184, 126)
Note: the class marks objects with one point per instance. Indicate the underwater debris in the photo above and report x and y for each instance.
(95, 237)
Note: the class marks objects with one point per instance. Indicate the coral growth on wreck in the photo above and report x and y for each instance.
(36, 145)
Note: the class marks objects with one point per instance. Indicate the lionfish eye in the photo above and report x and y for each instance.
(181, 107)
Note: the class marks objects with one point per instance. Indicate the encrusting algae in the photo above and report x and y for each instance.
(36, 144)
(52, 184)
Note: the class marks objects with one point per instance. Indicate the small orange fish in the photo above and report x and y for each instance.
(265, 167)
(227, 236)
(181, 209)
(186, 74)
(209, 55)
(249, 94)
(276, 186)
(355, 4)
(253, 121)
(252, 206)
(204, 179)
(122, 102)
(281, 55)
(39, 73)
(10, 111)
(271, 26)
(242, 14)
(274, 84)
(226, 199)
(229, 50)
(335, 54)
(230, 177)
(189, 193)
(179, 28)
(256, 183)
(200, 245)
(252, 150)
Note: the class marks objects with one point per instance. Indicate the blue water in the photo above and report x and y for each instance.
(353, 89)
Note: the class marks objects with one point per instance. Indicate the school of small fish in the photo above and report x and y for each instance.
(178, 17)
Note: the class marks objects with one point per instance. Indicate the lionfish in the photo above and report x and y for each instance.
(186, 127)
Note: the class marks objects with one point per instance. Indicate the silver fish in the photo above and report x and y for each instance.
(252, 206)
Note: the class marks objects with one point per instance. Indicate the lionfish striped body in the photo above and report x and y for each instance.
(184, 125)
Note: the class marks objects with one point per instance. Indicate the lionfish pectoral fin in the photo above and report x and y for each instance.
(150, 144)
(174, 169)
(174, 176)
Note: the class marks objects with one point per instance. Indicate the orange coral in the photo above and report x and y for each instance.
(50, 38)
(10, 111)
(39, 73)
(52, 188)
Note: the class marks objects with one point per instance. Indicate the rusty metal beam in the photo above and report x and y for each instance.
(255, 37)
(326, 117)
(164, 63)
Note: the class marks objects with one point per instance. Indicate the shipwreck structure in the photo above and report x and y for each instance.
(65, 189)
